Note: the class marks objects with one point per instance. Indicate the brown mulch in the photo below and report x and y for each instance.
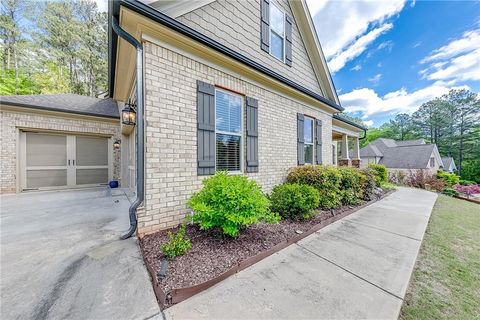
(212, 254)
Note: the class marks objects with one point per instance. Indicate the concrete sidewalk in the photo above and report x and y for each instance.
(356, 268)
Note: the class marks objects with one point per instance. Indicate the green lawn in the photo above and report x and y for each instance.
(446, 280)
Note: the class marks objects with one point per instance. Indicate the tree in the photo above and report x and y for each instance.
(401, 126)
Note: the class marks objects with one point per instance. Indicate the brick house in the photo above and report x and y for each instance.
(241, 86)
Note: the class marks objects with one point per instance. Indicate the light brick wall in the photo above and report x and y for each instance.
(236, 24)
(11, 120)
(171, 133)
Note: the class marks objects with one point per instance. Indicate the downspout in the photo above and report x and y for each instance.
(364, 134)
(140, 170)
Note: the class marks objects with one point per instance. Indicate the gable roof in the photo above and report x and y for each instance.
(408, 154)
(448, 162)
(370, 151)
(68, 102)
(161, 18)
(408, 157)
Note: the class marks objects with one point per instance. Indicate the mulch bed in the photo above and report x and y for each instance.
(212, 254)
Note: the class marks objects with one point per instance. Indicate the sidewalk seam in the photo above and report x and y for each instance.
(384, 230)
(350, 272)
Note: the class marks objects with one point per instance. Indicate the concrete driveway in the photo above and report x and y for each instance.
(356, 268)
(61, 258)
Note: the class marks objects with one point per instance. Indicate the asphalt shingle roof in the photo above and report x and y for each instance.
(408, 154)
(408, 157)
(70, 103)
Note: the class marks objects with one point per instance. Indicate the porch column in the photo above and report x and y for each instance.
(345, 160)
(356, 153)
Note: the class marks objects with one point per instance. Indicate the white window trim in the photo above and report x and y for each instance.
(270, 30)
(230, 133)
(309, 143)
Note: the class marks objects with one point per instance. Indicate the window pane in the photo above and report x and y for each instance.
(276, 45)
(309, 153)
(277, 20)
(308, 130)
(228, 152)
(228, 112)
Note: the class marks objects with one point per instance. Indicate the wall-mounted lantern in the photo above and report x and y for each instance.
(129, 115)
(116, 144)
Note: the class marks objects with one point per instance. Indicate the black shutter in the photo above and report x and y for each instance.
(265, 25)
(205, 128)
(288, 40)
(318, 139)
(300, 139)
(252, 135)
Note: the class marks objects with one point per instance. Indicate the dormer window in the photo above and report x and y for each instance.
(277, 32)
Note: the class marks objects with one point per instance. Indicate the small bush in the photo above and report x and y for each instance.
(450, 179)
(177, 244)
(326, 179)
(369, 184)
(450, 192)
(230, 202)
(397, 177)
(380, 172)
(351, 185)
(292, 200)
(468, 190)
(425, 180)
(466, 182)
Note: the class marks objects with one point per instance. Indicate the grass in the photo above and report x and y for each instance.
(446, 281)
(388, 186)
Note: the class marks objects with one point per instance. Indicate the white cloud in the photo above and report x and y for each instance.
(368, 103)
(341, 24)
(358, 47)
(457, 61)
(368, 123)
(357, 67)
(376, 78)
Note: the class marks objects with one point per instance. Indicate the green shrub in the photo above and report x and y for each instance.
(351, 185)
(466, 182)
(369, 184)
(177, 244)
(450, 192)
(380, 171)
(230, 202)
(450, 179)
(326, 179)
(292, 200)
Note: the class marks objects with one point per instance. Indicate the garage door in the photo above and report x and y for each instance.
(52, 161)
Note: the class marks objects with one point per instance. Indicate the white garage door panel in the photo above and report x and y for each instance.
(46, 150)
(92, 151)
(46, 178)
(92, 176)
(54, 161)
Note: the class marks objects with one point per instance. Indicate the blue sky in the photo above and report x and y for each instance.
(390, 56)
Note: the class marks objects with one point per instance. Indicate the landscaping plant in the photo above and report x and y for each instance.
(177, 244)
(326, 179)
(381, 173)
(351, 185)
(468, 190)
(370, 183)
(450, 179)
(292, 200)
(450, 192)
(230, 203)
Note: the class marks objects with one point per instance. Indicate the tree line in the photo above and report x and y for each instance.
(451, 121)
(52, 47)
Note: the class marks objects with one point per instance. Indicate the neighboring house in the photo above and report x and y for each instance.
(241, 86)
(449, 164)
(402, 155)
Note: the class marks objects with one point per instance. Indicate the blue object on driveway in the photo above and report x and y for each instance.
(113, 184)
